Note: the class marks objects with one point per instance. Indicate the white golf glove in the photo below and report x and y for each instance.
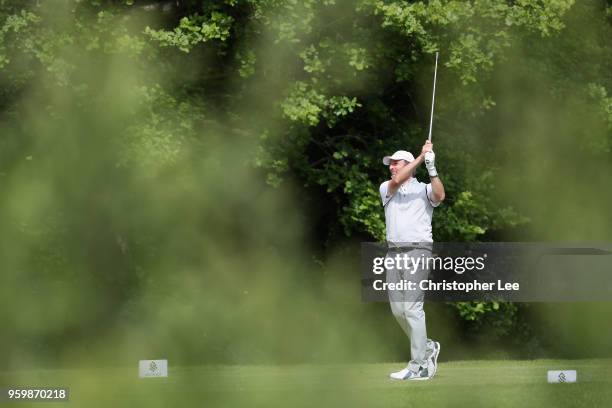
(430, 164)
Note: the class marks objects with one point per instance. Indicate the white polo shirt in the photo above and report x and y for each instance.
(408, 213)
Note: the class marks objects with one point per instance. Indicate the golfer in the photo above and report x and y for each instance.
(409, 206)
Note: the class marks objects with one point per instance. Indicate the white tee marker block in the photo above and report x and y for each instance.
(152, 368)
(562, 376)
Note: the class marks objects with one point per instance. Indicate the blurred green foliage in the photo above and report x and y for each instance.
(165, 152)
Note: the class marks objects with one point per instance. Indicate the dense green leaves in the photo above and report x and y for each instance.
(194, 30)
(316, 92)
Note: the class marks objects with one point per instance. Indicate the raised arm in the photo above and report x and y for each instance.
(402, 175)
(437, 188)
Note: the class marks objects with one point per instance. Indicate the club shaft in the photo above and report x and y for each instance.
(433, 98)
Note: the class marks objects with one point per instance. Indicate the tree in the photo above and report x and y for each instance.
(312, 94)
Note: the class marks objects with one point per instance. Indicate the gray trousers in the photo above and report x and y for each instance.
(407, 305)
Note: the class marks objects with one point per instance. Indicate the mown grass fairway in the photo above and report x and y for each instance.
(466, 383)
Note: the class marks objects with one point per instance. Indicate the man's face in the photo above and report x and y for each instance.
(395, 165)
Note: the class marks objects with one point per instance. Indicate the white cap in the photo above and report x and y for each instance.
(399, 155)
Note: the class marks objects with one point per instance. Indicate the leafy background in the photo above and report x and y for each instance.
(192, 179)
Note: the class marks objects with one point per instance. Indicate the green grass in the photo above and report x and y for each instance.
(465, 383)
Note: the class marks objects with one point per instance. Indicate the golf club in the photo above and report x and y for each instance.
(433, 98)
